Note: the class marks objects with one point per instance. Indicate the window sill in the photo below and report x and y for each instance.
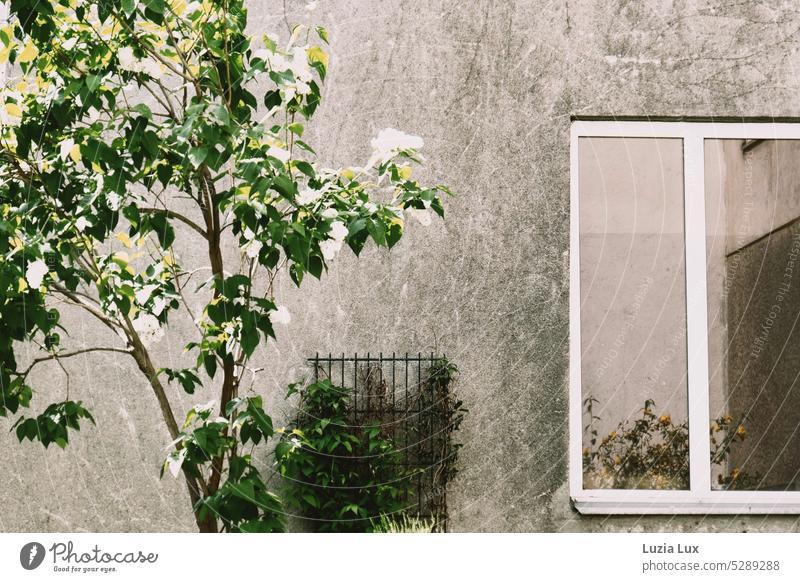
(686, 503)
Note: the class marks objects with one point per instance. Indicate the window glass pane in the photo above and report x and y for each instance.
(633, 314)
(753, 247)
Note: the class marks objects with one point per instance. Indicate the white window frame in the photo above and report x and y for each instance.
(699, 498)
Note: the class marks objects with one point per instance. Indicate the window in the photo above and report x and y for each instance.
(685, 316)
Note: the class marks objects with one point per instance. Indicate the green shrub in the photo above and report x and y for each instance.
(338, 475)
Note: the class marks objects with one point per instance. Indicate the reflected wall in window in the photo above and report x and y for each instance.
(633, 313)
(753, 254)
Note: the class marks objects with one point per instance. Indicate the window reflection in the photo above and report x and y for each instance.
(753, 249)
(633, 313)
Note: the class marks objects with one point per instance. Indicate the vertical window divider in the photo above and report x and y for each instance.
(696, 312)
(575, 382)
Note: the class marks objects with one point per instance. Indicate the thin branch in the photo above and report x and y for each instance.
(88, 297)
(57, 356)
(178, 216)
(63, 369)
(168, 99)
(286, 17)
(166, 105)
(175, 276)
(78, 302)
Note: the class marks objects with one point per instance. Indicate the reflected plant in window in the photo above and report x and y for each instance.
(652, 452)
(724, 432)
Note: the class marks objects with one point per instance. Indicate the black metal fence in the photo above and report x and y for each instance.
(413, 411)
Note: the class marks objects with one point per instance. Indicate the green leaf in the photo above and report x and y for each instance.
(220, 114)
(282, 449)
(143, 110)
(262, 420)
(93, 82)
(103, 11)
(197, 156)
(315, 266)
(296, 273)
(163, 229)
(201, 439)
(285, 186)
(210, 365)
(188, 379)
(128, 6)
(377, 231)
(244, 490)
(304, 167)
(250, 339)
(304, 146)
(272, 99)
(395, 234)
(164, 173)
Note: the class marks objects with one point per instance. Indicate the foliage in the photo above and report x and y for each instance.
(342, 472)
(403, 524)
(51, 426)
(338, 475)
(133, 123)
(242, 503)
(652, 452)
(450, 413)
(441, 374)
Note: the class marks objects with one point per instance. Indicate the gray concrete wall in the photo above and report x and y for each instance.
(490, 86)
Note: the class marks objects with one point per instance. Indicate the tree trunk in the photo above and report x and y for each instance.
(209, 523)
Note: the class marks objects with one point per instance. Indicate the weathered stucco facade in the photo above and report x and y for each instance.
(490, 86)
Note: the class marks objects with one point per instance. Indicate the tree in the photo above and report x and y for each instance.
(132, 122)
